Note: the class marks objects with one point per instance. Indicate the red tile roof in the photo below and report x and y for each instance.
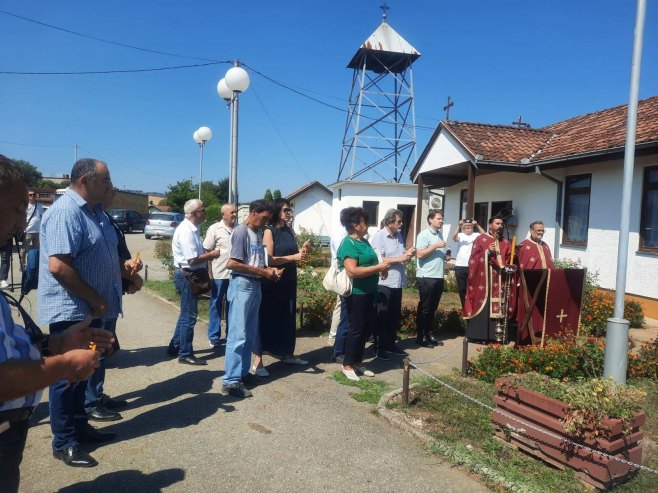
(584, 134)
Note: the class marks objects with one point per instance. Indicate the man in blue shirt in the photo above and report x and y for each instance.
(389, 244)
(23, 370)
(79, 276)
(430, 251)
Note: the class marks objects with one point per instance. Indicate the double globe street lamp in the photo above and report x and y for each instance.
(234, 82)
(201, 136)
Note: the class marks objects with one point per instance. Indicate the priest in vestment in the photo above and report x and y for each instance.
(490, 285)
(533, 253)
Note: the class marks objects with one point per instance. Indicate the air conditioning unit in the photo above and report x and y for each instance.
(435, 202)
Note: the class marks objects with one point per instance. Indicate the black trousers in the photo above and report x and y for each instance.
(461, 274)
(430, 290)
(361, 315)
(388, 305)
(12, 443)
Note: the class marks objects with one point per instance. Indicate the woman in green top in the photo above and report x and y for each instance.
(362, 265)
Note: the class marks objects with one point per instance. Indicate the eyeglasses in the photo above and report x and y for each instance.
(201, 210)
(31, 195)
(287, 210)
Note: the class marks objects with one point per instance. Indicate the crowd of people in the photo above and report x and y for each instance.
(249, 269)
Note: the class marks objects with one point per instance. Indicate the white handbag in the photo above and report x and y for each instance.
(337, 281)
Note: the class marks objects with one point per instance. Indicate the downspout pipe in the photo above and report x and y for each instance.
(558, 209)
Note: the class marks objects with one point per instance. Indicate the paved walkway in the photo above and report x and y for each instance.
(300, 432)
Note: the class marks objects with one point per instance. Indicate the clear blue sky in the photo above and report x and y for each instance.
(547, 61)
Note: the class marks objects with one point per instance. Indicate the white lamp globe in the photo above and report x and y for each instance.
(237, 79)
(204, 133)
(223, 90)
(196, 138)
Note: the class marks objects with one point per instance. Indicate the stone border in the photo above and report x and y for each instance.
(400, 419)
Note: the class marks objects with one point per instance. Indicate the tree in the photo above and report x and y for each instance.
(268, 194)
(276, 194)
(179, 193)
(31, 172)
(51, 184)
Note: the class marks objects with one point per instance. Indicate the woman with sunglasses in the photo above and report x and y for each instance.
(277, 330)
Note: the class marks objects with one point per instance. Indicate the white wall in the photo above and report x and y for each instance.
(313, 212)
(352, 194)
(534, 198)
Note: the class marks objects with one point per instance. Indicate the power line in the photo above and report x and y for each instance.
(33, 145)
(117, 71)
(116, 43)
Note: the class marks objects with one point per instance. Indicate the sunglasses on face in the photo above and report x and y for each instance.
(287, 210)
(30, 195)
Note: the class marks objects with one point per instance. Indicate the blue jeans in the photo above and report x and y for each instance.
(218, 292)
(94, 391)
(341, 330)
(189, 310)
(67, 402)
(244, 295)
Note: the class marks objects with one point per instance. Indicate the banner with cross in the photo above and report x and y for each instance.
(549, 304)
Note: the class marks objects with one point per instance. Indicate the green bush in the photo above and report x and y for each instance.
(410, 268)
(163, 253)
(213, 214)
(444, 321)
(314, 302)
(317, 255)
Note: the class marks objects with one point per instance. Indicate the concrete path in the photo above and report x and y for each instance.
(300, 432)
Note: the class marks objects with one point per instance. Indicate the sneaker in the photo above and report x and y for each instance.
(292, 360)
(259, 371)
(382, 355)
(236, 390)
(4, 284)
(361, 370)
(397, 350)
(351, 375)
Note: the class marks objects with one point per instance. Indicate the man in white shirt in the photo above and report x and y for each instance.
(33, 214)
(218, 238)
(189, 255)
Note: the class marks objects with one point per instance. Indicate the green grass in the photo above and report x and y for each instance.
(166, 290)
(370, 390)
(463, 434)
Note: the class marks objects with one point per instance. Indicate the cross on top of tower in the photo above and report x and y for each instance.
(385, 8)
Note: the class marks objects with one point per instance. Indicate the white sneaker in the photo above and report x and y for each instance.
(259, 371)
(351, 375)
(290, 360)
(361, 370)
(4, 284)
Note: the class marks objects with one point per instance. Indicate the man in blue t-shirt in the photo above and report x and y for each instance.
(247, 262)
(430, 252)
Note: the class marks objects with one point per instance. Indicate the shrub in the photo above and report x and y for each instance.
(644, 363)
(600, 306)
(317, 255)
(315, 303)
(561, 359)
(163, 253)
(213, 214)
(410, 268)
(450, 282)
(444, 321)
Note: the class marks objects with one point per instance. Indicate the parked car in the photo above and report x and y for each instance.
(162, 224)
(127, 220)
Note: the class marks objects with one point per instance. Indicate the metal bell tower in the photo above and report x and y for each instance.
(380, 131)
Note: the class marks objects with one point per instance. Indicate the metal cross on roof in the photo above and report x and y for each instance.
(447, 107)
(385, 8)
(520, 123)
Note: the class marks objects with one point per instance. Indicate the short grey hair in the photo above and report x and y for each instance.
(226, 207)
(192, 205)
(83, 167)
(391, 215)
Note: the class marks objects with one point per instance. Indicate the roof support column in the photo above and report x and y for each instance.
(419, 207)
(470, 194)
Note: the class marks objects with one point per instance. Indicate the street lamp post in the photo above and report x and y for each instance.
(201, 136)
(234, 82)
